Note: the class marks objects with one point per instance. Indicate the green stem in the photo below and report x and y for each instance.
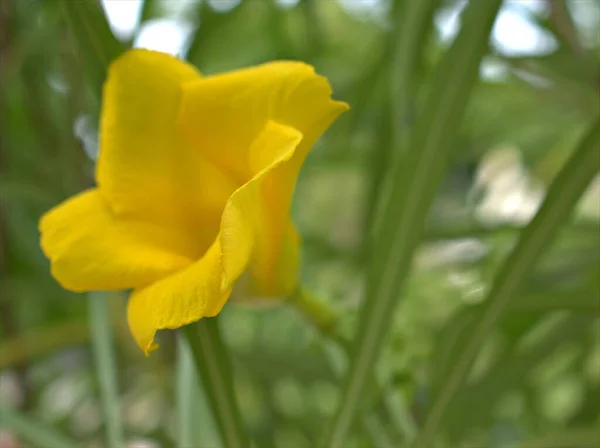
(405, 204)
(186, 394)
(318, 314)
(104, 356)
(324, 319)
(213, 365)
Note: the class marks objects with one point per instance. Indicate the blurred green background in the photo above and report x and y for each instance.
(537, 379)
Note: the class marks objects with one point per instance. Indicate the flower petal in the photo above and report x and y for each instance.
(146, 169)
(223, 114)
(178, 300)
(250, 236)
(90, 250)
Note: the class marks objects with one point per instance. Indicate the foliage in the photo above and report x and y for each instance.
(449, 223)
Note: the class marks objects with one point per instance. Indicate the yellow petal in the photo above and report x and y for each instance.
(244, 243)
(146, 169)
(178, 300)
(281, 277)
(249, 238)
(223, 114)
(90, 250)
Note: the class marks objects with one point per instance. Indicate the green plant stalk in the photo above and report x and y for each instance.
(413, 22)
(324, 319)
(104, 357)
(556, 209)
(32, 431)
(571, 437)
(318, 314)
(97, 46)
(185, 387)
(211, 359)
(405, 204)
(475, 401)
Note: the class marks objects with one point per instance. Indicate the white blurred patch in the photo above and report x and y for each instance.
(143, 410)
(447, 21)
(10, 391)
(223, 5)
(85, 131)
(60, 397)
(288, 3)
(589, 206)
(494, 70)
(515, 34)
(511, 196)
(165, 35)
(368, 10)
(87, 418)
(450, 252)
(123, 16)
(142, 443)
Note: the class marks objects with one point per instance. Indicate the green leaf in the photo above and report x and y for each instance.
(185, 386)
(213, 365)
(412, 20)
(96, 44)
(572, 438)
(582, 300)
(195, 425)
(104, 356)
(474, 404)
(560, 201)
(36, 433)
(150, 10)
(415, 19)
(413, 183)
(579, 69)
(325, 320)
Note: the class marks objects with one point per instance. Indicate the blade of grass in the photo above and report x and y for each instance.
(571, 437)
(413, 20)
(150, 10)
(414, 181)
(195, 421)
(96, 44)
(582, 300)
(185, 386)
(104, 357)
(324, 319)
(560, 201)
(211, 359)
(36, 433)
(474, 404)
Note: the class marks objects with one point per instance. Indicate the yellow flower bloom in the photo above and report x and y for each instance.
(195, 179)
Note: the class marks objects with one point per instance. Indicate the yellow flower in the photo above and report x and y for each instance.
(195, 178)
